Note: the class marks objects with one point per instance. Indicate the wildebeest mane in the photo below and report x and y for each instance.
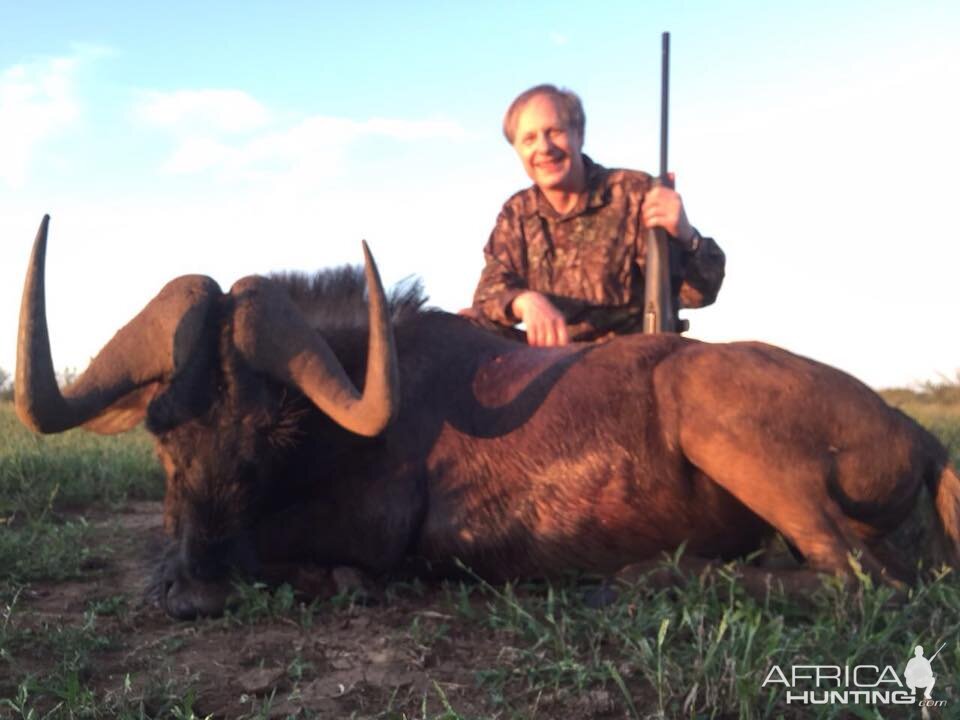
(336, 298)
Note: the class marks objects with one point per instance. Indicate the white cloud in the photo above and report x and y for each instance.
(231, 133)
(228, 111)
(558, 38)
(316, 142)
(36, 102)
(412, 129)
(196, 154)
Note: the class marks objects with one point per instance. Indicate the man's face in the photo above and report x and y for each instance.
(548, 148)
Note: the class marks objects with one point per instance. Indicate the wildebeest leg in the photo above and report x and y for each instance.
(894, 564)
(317, 582)
(785, 488)
(370, 530)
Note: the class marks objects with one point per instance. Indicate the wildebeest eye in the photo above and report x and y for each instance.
(287, 428)
(174, 406)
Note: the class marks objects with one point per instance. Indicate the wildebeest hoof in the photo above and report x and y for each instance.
(600, 596)
(316, 582)
(353, 582)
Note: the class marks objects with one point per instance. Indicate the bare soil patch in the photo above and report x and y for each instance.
(412, 654)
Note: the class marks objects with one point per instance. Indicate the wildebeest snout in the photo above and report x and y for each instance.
(198, 576)
(187, 599)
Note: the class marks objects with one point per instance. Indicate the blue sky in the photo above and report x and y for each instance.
(818, 144)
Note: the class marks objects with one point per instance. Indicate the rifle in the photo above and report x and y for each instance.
(936, 653)
(659, 315)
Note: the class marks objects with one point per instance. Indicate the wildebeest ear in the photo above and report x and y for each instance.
(125, 412)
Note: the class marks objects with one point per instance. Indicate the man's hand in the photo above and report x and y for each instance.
(545, 324)
(663, 207)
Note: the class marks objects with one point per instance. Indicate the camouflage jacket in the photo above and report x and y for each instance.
(588, 262)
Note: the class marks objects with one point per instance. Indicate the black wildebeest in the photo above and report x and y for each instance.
(519, 461)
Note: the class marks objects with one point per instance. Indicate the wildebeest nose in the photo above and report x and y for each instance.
(187, 599)
(178, 602)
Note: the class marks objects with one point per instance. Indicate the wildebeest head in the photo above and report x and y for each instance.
(220, 379)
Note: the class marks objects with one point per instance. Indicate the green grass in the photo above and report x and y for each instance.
(43, 551)
(703, 649)
(72, 470)
(699, 650)
(48, 486)
(47, 483)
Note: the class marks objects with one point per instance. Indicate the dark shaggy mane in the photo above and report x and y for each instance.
(336, 298)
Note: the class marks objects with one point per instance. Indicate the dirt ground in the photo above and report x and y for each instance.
(392, 659)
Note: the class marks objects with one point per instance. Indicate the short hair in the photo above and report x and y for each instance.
(568, 104)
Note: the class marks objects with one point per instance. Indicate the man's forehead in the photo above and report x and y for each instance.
(541, 109)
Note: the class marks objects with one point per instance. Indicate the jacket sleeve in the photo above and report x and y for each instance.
(703, 274)
(504, 273)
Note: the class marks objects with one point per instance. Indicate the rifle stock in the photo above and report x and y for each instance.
(659, 315)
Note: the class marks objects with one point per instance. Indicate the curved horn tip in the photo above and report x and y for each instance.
(370, 265)
(42, 230)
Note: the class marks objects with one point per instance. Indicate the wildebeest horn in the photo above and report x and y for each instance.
(112, 392)
(275, 338)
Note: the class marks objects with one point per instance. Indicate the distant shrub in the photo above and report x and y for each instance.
(6, 386)
(936, 404)
(945, 391)
(64, 377)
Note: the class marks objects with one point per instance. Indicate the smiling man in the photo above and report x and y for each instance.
(566, 256)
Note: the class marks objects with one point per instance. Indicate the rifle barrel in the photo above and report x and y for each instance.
(664, 102)
(937, 652)
(659, 315)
